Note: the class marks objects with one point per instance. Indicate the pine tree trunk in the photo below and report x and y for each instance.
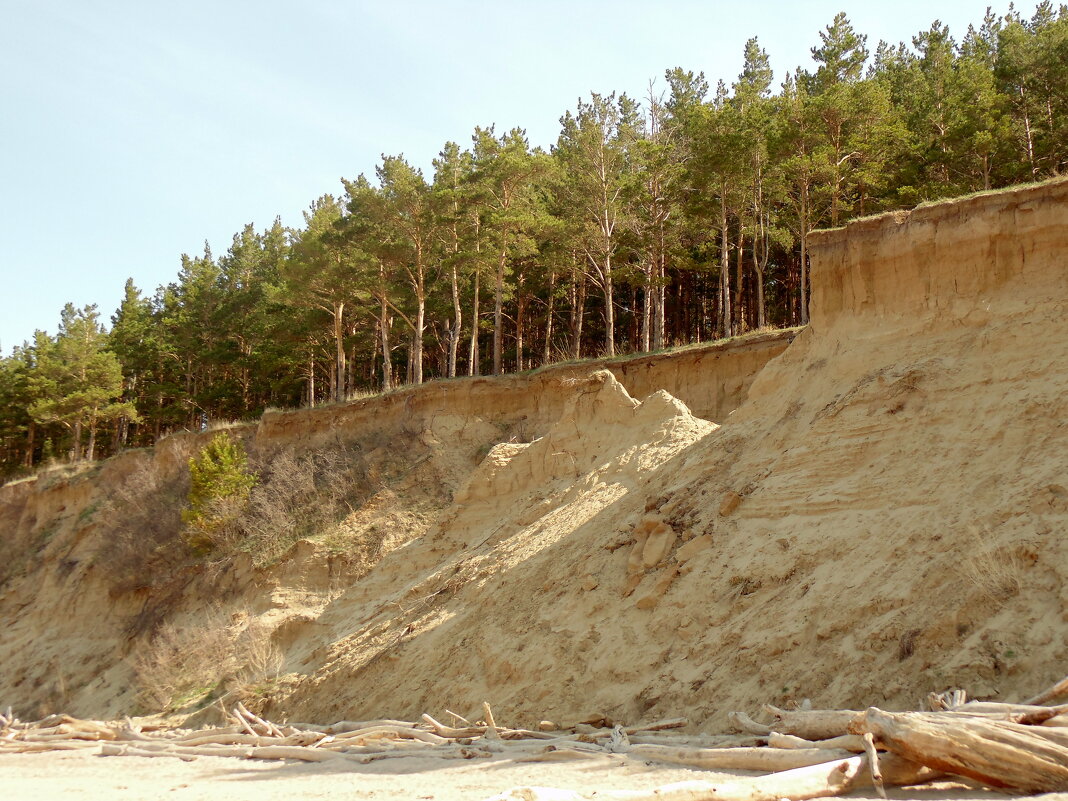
(498, 314)
(417, 338)
(519, 321)
(647, 310)
(660, 295)
(724, 271)
(739, 280)
(1029, 134)
(472, 353)
(546, 355)
(31, 435)
(339, 343)
(457, 317)
(91, 449)
(578, 306)
(609, 309)
(804, 254)
(760, 256)
(387, 362)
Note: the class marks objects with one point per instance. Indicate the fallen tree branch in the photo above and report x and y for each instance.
(742, 722)
(1027, 714)
(873, 764)
(812, 724)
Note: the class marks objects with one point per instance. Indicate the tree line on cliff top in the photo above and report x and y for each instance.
(652, 222)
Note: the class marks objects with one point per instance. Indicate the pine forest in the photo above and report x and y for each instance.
(656, 221)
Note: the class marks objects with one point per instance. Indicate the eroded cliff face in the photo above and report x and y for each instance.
(881, 515)
(78, 614)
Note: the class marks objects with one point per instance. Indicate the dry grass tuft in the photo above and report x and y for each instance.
(187, 666)
(995, 570)
(183, 665)
(145, 514)
(299, 497)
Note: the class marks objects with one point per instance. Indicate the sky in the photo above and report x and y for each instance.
(132, 132)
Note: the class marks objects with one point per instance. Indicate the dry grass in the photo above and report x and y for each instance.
(995, 570)
(298, 497)
(145, 545)
(185, 666)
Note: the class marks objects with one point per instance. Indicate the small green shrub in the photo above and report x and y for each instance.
(219, 487)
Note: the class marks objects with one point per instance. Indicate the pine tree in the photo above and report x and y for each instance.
(505, 179)
(78, 382)
(596, 148)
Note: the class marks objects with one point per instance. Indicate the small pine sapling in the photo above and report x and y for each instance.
(220, 483)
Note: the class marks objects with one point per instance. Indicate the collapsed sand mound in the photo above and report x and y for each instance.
(505, 594)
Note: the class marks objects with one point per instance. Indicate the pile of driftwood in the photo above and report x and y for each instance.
(252, 737)
(809, 753)
(803, 753)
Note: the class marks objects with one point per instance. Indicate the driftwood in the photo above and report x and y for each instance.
(847, 742)
(1058, 690)
(1032, 759)
(406, 731)
(812, 724)
(565, 755)
(805, 753)
(743, 723)
(243, 752)
(763, 759)
(249, 736)
(1028, 714)
(343, 726)
(699, 740)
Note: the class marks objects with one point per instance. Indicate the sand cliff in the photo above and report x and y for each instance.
(868, 513)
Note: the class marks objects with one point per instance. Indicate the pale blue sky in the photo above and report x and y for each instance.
(132, 131)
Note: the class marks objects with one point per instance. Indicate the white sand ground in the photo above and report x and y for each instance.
(67, 775)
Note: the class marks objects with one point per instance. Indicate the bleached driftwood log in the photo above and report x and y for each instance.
(1058, 690)
(812, 724)
(1032, 759)
(343, 726)
(1028, 714)
(699, 740)
(847, 742)
(762, 759)
(743, 723)
(409, 732)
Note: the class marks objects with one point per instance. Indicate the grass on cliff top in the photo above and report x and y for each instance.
(945, 201)
(558, 361)
(668, 351)
(54, 471)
